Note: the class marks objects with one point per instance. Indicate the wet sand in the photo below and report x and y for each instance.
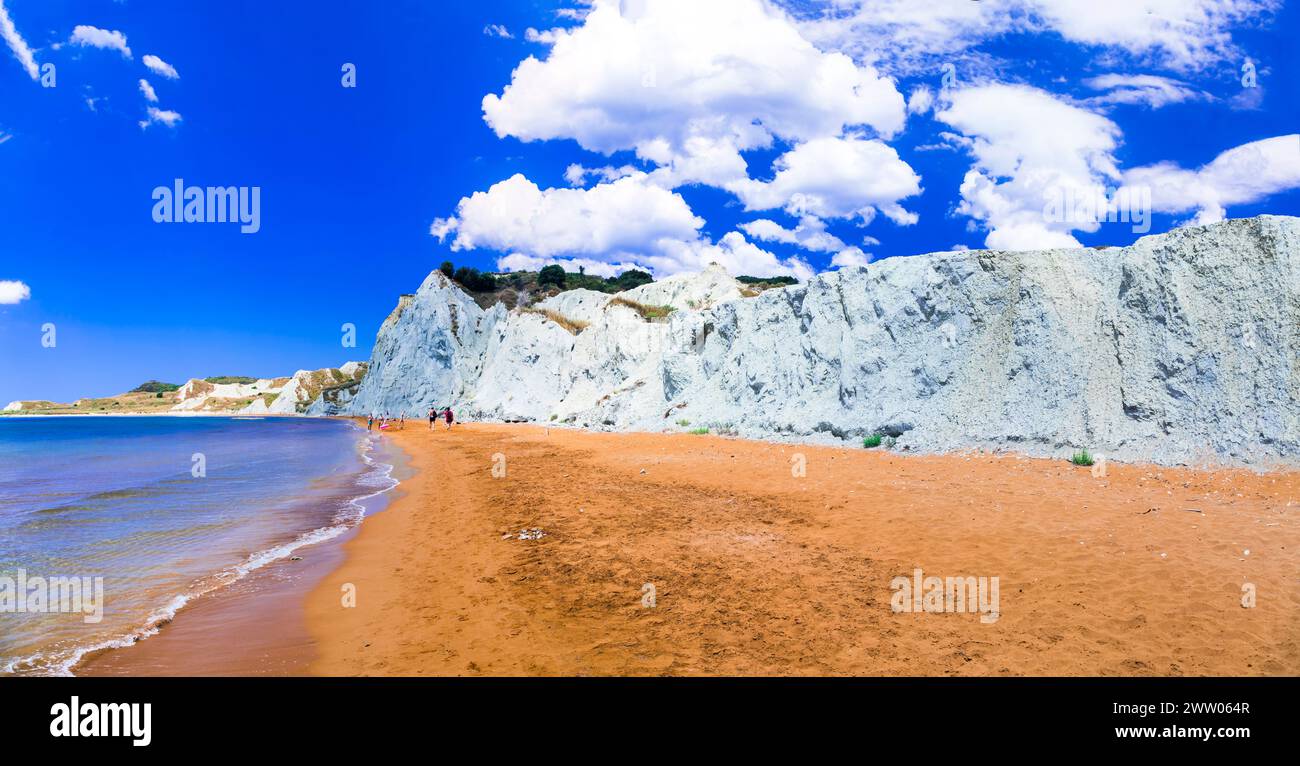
(756, 571)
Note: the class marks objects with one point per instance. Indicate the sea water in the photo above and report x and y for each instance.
(163, 509)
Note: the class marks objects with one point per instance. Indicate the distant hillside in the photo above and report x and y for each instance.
(154, 387)
(224, 394)
(518, 289)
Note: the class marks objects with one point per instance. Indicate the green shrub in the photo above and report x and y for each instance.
(153, 387)
(475, 280)
(699, 431)
(873, 441)
(630, 279)
(780, 281)
(1082, 457)
(552, 275)
(683, 422)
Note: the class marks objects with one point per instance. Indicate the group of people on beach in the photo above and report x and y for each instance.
(387, 422)
(445, 413)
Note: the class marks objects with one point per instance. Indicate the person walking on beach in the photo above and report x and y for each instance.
(433, 416)
(447, 414)
(370, 424)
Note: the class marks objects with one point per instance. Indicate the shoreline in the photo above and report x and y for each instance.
(252, 625)
(755, 571)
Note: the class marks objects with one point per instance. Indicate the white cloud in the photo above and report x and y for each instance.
(148, 91)
(734, 253)
(910, 36)
(836, 178)
(1149, 90)
(1181, 34)
(1241, 175)
(689, 86)
(497, 30)
(16, 43)
(160, 67)
(544, 36)
(851, 256)
(522, 262)
(165, 116)
(921, 100)
(95, 37)
(809, 234)
(1028, 146)
(625, 216)
(12, 292)
(626, 221)
(577, 174)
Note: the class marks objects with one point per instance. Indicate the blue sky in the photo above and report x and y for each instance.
(774, 139)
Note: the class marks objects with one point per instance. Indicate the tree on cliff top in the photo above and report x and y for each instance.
(553, 274)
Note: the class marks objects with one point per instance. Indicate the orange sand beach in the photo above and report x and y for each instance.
(678, 554)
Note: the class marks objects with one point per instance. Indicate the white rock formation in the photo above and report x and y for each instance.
(306, 386)
(1182, 348)
(291, 396)
(196, 392)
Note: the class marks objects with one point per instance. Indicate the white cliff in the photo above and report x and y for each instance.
(1181, 348)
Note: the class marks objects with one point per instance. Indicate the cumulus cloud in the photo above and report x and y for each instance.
(852, 256)
(626, 221)
(1142, 89)
(1241, 175)
(13, 292)
(1029, 147)
(836, 178)
(497, 30)
(907, 36)
(16, 43)
(148, 91)
(165, 116)
(809, 234)
(94, 37)
(689, 86)
(623, 217)
(159, 67)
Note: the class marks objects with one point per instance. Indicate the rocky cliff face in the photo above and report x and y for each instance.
(1182, 348)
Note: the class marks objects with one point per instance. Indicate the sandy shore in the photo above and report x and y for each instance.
(758, 571)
